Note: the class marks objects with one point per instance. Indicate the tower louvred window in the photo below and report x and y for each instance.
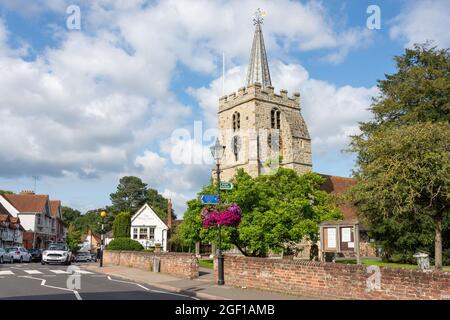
(275, 119)
(236, 121)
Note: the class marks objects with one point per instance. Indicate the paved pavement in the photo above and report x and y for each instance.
(33, 281)
(203, 288)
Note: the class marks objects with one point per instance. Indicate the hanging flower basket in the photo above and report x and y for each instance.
(229, 215)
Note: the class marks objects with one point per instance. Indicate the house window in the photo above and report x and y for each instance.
(275, 119)
(143, 233)
(236, 121)
(38, 219)
(151, 234)
(135, 233)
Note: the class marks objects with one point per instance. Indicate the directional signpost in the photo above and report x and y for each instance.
(210, 199)
(224, 185)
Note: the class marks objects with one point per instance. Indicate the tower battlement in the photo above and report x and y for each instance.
(256, 91)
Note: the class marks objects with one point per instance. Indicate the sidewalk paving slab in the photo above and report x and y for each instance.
(202, 287)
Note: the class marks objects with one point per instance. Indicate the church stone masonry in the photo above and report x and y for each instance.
(259, 126)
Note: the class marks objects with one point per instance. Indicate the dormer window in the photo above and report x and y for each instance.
(275, 116)
(236, 121)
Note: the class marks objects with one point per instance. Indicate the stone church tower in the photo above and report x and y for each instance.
(260, 128)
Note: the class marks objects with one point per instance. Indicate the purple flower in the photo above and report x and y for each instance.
(230, 216)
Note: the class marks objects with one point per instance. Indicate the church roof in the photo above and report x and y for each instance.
(338, 185)
(258, 67)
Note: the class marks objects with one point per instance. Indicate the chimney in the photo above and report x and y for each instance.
(26, 192)
(169, 213)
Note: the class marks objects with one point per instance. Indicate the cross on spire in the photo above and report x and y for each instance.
(258, 67)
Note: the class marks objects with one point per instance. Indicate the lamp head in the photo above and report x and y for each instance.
(217, 150)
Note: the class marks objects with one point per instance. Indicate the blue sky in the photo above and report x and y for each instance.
(81, 108)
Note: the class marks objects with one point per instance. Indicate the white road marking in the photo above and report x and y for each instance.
(157, 291)
(75, 292)
(83, 272)
(6, 273)
(33, 271)
(59, 271)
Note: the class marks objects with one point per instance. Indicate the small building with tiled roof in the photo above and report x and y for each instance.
(38, 215)
(337, 186)
(11, 232)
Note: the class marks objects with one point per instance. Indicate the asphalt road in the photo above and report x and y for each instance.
(33, 281)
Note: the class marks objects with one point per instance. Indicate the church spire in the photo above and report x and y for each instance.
(258, 68)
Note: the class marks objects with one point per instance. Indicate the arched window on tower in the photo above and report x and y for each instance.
(236, 121)
(275, 116)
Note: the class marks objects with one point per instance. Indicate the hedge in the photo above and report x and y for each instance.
(125, 244)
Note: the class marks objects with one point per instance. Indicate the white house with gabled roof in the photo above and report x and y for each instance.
(148, 228)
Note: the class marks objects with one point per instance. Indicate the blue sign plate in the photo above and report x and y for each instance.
(210, 199)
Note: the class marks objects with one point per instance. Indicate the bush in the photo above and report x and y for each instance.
(125, 244)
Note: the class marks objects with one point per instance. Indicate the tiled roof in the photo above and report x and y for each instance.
(54, 207)
(338, 185)
(27, 202)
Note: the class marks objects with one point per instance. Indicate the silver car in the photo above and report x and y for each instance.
(20, 254)
(5, 256)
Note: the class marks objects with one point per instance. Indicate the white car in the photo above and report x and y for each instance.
(57, 253)
(19, 254)
(5, 256)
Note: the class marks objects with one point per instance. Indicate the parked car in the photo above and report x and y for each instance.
(94, 257)
(36, 254)
(5, 256)
(57, 253)
(83, 257)
(19, 254)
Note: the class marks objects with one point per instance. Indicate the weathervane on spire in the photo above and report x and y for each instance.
(258, 17)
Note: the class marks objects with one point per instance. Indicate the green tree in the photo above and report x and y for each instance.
(129, 197)
(90, 220)
(73, 238)
(277, 211)
(402, 155)
(122, 225)
(406, 186)
(69, 215)
(2, 192)
(158, 203)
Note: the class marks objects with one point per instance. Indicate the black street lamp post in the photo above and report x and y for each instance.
(217, 152)
(103, 215)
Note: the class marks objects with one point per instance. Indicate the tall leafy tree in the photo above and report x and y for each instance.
(402, 163)
(73, 238)
(69, 215)
(277, 211)
(90, 220)
(122, 225)
(129, 196)
(158, 203)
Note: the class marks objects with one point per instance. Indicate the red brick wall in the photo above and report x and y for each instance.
(178, 264)
(332, 280)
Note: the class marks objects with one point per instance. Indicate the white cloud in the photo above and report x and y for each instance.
(94, 103)
(421, 21)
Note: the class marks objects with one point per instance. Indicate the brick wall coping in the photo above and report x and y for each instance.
(154, 253)
(329, 265)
